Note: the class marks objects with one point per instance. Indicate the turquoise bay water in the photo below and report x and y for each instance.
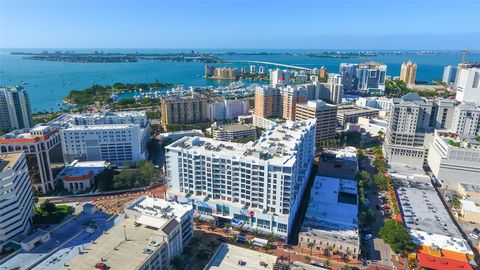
(49, 82)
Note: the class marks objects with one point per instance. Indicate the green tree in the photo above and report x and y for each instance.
(310, 245)
(347, 267)
(327, 264)
(394, 234)
(48, 207)
(267, 247)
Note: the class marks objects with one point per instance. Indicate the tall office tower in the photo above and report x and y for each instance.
(291, 95)
(348, 73)
(325, 115)
(43, 149)
(258, 184)
(408, 126)
(184, 110)
(15, 108)
(279, 77)
(16, 199)
(408, 72)
(261, 70)
(466, 120)
(449, 74)
(253, 69)
(468, 85)
(268, 101)
(371, 77)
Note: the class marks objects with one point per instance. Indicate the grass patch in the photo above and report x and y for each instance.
(43, 217)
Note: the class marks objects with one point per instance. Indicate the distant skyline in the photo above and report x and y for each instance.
(267, 24)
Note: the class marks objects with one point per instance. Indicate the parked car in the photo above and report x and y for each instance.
(367, 237)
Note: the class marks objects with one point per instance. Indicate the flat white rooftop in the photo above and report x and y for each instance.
(333, 205)
(423, 212)
(228, 257)
(277, 145)
(158, 208)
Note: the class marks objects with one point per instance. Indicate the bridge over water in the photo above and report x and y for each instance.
(270, 64)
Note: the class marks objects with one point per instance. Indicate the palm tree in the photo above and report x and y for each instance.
(310, 245)
(211, 224)
(256, 232)
(177, 263)
(271, 236)
(330, 250)
(250, 243)
(348, 253)
(234, 237)
(327, 264)
(347, 267)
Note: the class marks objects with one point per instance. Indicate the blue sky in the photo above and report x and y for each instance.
(359, 24)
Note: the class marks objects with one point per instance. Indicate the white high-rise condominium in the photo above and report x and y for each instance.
(16, 199)
(466, 120)
(112, 136)
(468, 85)
(258, 184)
(279, 77)
(449, 74)
(15, 111)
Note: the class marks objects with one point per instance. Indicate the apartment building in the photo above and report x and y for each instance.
(184, 110)
(325, 115)
(257, 185)
(43, 151)
(449, 74)
(115, 137)
(15, 108)
(268, 101)
(291, 96)
(466, 120)
(408, 72)
(467, 85)
(381, 103)
(228, 109)
(410, 122)
(233, 132)
(371, 77)
(16, 200)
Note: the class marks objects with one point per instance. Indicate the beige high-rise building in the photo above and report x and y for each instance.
(408, 72)
(326, 115)
(184, 110)
(268, 102)
(291, 96)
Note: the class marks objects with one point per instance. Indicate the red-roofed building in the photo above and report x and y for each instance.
(436, 263)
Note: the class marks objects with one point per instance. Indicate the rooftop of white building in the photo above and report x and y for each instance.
(159, 209)
(277, 145)
(82, 168)
(102, 127)
(333, 208)
(455, 140)
(471, 187)
(422, 210)
(38, 131)
(117, 252)
(470, 206)
(228, 257)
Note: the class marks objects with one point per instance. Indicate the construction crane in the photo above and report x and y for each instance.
(465, 52)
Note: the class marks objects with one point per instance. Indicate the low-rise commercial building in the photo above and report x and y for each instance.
(232, 257)
(258, 184)
(454, 160)
(351, 113)
(332, 217)
(233, 132)
(340, 163)
(43, 151)
(470, 212)
(148, 238)
(469, 191)
(80, 176)
(16, 199)
(426, 218)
